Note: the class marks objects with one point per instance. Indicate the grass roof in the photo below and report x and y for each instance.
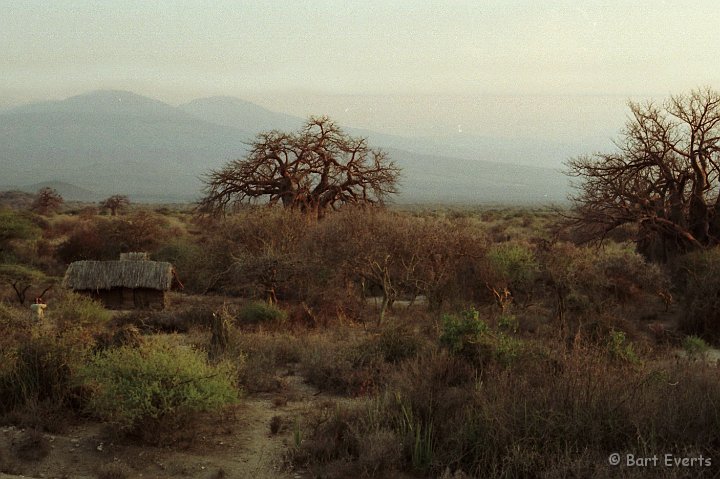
(95, 275)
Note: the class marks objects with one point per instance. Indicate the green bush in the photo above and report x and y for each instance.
(257, 312)
(620, 349)
(514, 264)
(462, 332)
(507, 349)
(157, 383)
(508, 322)
(695, 347)
(471, 337)
(15, 227)
(76, 310)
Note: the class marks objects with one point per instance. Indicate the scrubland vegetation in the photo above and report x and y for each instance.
(444, 342)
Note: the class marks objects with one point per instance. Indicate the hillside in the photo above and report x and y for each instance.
(119, 142)
(113, 142)
(240, 114)
(68, 191)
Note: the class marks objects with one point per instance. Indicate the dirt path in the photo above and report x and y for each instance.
(238, 445)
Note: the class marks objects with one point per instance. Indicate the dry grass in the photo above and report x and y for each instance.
(555, 417)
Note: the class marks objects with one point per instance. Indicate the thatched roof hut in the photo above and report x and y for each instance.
(124, 284)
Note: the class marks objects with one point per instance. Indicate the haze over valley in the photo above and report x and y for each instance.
(476, 101)
(115, 141)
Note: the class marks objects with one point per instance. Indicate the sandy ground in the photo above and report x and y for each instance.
(237, 445)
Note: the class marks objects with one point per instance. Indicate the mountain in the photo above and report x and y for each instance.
(237, 113)
(119, 142)
(68, 191)
(432, 178)
(112, 141)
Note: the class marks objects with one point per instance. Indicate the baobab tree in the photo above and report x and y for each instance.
(313, 170)
(47, 200)
(664, 178)
(115, 203)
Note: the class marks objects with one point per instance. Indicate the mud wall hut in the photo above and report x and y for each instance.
(124, 284)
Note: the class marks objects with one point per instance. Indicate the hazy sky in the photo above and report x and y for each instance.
(470, 66)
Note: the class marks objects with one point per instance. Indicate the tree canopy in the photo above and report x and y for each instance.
(664, 177)
(47, 200)
(115, 204)
(314, 169)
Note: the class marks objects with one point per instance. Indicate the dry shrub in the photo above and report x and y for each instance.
(181, 321)
(380, 453)
(191, 261)
(105, 238)
(78, 311)
(379, 252)
(328, 434)
(342, 366)
(396, 341)
(696, 277)
(126, 335)
(255, 253)
(595, 289)
(268, 253)
(47, 415)
(555, 417)
(41, 370)
(62, 226)
(338, 450)
(263, 354)
(15, 328)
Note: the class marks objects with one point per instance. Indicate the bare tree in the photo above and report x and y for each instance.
(115, 203)
(663, 178)
(313, 170)
(47, 200)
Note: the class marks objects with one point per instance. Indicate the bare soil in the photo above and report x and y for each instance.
(236, 444)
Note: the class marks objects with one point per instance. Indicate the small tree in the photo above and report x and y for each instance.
(22, 278)
(313, 170)
(115, 204)
(47, 200)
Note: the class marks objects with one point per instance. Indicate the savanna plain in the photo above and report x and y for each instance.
(404, 341)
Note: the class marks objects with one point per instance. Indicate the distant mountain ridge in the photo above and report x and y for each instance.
(68, 191)
(120, 142)
(237, 113)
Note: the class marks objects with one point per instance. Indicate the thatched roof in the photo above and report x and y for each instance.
(95, 275)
